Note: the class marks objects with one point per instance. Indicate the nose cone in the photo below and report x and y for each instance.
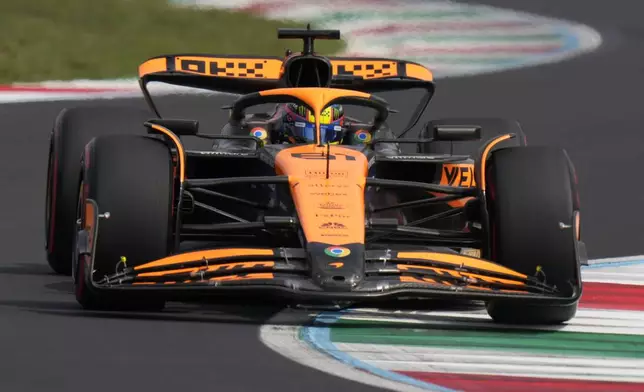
(337, 268)
(328, 192)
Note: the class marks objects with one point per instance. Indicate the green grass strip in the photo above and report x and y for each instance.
(71, 39)
(551, 342)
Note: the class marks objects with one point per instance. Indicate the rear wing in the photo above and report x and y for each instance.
(249, 74)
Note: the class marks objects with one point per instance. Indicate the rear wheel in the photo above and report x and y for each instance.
(131, 178)
(73, 129)
(534, 211)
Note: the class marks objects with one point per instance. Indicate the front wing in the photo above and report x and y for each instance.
(287, 272)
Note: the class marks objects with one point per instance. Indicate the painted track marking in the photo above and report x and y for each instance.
(376, 361)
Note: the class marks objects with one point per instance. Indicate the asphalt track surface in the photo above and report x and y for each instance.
(591, 106)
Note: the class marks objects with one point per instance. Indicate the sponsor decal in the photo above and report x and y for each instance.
(332, 225)
(223, 153)
(418, 157)
(332, 216)
(330, 205)
(222, 66)
(337, 264)
(333, 194)
(326, 185)
(362, 136)
(461, 175)
(471, 252)
(322, 173)
(259, 133)
(337, 251)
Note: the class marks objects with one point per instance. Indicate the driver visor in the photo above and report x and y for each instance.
(328, 132)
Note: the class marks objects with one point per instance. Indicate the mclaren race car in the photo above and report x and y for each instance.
(466, 210)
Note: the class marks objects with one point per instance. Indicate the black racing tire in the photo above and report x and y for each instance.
(131, 177)
(490, 128)
(533, 207)
(72, 130)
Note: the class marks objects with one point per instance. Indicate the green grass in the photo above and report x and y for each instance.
(100, 39)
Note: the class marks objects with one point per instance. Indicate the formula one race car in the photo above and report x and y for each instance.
(472, 213)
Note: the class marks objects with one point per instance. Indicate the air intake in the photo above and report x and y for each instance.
(308, 71)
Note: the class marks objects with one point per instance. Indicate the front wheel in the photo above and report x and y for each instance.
(534, 227)
(131, 178)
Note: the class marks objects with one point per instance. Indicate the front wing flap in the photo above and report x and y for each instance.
(286, 271)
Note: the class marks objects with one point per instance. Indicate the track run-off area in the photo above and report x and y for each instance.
(562, 85)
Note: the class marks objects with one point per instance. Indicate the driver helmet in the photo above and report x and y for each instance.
(300, 121)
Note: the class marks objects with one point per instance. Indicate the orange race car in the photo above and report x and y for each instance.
(306, 202)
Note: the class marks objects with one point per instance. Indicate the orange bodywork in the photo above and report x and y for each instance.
(330, 210)
(413, 279)
(217, 267)
(459, 260)
(178, 144)
(459, 274)
(486, 153)
(459, 174)
(311, 190)
(419, 72)
(90, 218)
(153, 66)
(208, 254)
